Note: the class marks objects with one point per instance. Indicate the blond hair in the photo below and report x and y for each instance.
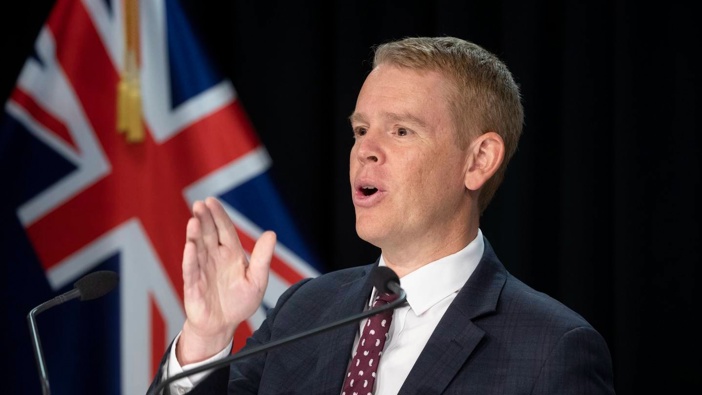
(486, 98)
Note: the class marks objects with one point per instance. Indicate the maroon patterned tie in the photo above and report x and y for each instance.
(361, 373)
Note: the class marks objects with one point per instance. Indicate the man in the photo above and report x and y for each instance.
(435, 124)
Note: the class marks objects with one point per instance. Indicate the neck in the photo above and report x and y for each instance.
(407, 258)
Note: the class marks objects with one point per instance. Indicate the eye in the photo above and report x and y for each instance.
(402, 132)
(359, 132)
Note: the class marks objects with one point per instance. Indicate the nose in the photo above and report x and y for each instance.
(368, 148)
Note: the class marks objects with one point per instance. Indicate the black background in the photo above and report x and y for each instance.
(600, 205)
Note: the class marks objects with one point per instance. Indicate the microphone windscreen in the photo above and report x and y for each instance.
(96, 284)
(381, 276)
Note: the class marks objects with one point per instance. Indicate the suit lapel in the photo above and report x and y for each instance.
(455, 338)
(335, 345)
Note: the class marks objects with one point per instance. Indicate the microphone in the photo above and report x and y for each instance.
(386, 282)
(383, 279)
(90, 286)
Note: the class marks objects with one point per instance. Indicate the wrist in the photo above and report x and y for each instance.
(193, 347)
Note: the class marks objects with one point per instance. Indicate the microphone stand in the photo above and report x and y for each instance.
(90, 286)
(34, 332)
(394, 287)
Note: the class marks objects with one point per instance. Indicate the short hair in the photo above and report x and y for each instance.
(486, 97)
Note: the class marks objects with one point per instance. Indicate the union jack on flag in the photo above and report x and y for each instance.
(118, 122)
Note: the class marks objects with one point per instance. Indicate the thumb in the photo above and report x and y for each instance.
(261, 258)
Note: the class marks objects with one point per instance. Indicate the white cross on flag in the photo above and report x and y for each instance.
(118, 122)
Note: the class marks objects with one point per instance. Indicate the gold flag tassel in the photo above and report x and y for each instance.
(129, 114)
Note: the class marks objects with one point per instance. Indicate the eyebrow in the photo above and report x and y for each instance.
(392, 117)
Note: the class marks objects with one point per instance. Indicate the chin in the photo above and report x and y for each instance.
(368, 234)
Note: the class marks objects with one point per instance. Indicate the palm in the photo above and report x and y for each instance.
(222, 285)
(222, 296)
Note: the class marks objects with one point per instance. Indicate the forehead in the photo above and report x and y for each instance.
(398, 92)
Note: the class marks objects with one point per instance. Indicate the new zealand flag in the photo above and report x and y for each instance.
(117, 124)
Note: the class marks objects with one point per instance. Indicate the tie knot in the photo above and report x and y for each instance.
(387, 298)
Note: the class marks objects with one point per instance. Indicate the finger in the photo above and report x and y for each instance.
(261, 257)
(193, 244)
(191, 272)
(210, 237)
(225, 227)
(193, 234)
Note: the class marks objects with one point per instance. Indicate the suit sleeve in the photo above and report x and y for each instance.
(161, 368)
(579, 364)
(243, 376)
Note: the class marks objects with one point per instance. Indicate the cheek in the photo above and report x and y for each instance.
(352, 163)
(439, 176)
(432, 170)
(419, 178)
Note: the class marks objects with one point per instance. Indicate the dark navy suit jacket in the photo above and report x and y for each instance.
(499, 336)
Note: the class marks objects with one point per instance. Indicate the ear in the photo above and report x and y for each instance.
(485, 155)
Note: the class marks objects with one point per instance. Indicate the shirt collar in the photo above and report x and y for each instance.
(439, 279)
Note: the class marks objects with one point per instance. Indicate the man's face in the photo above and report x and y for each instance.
(406, 169)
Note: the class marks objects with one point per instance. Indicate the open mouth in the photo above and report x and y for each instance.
(368, 190)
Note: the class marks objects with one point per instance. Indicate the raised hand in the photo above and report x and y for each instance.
(222, 287)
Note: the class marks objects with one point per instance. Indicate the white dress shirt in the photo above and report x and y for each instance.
(430, 290)
(187, 383)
